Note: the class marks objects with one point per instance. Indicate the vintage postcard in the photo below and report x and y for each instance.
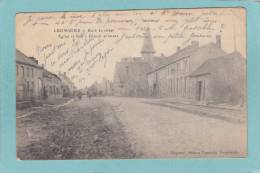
(133, 84)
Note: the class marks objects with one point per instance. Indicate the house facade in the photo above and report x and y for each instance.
(221, 80)
(68, 88)
(52, 87)
(29, 78)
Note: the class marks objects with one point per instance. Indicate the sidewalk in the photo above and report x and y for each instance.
(192, 102)
(229, 113)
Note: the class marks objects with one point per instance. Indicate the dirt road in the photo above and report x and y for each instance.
(162, 132)
(120, 128)
(83, 129)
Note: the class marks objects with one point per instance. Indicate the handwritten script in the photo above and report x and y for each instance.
(85, 44)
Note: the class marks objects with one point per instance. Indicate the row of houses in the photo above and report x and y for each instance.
(200, 73)
(34, 82)
(205, 74)
(102, 88)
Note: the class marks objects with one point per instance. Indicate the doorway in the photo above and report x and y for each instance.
(198, 90)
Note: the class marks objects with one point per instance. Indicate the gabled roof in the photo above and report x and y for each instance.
(188, 51)
(47, 73)
(211, 65)
(22, 58)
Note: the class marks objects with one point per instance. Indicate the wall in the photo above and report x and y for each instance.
(228, 85)
(130, 78)
(171, 80)
(52, 87)
(28, 85)
(205, 95)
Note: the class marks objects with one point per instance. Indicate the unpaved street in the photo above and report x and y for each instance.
(115, 128)
(162, 132)
(83, 129)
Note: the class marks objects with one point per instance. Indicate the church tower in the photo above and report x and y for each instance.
(147, 49)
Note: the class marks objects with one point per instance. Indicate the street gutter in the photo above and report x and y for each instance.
(54, 106)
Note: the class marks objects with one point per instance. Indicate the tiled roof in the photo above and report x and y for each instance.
(213, 64)
(64, 78)
(22, 58)
(187, 51)
(47, 73)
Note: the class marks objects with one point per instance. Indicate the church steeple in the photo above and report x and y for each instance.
(147, 49)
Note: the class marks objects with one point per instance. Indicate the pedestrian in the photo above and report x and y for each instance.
(80, 95)
(89, 95)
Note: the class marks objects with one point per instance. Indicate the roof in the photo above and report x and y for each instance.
(23, 59)
(185, 52)
(213, 64)
(47, 73)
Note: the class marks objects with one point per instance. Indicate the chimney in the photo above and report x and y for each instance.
(218, 41)
(178, 48)
(195, 43)
(33, 59)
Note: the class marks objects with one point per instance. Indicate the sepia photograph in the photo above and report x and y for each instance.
(131, 84)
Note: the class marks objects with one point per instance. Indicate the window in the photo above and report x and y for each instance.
(178, 68)
(171, 85)
(127, 70)
(181, 67)
(32, 72)
(172, 71)
(17, 70)
(28, 73)
(23, 70)
(28, 88)
(32, 88)
(186, 65)
(185, 86)
(178, 86)
(50, 88)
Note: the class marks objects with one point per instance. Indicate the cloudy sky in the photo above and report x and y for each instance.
(87, 45)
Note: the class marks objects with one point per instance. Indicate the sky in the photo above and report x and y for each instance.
(87, 45)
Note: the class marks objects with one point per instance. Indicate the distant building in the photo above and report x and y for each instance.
(68, 87)
(52, 87)
(29, 78)
(105, 87)
(93, 89)
(130, 77)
